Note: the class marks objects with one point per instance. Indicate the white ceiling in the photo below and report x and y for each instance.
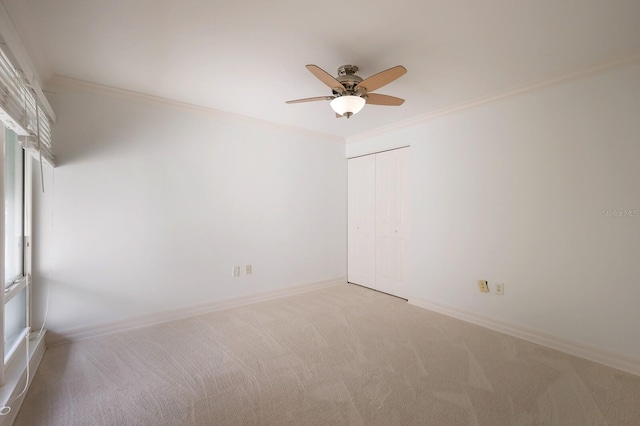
(248, 56)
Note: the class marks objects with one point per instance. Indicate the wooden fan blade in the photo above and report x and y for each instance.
(338, 115)
(317, 98)
(377, 99)
(326, 78)
(376, 81)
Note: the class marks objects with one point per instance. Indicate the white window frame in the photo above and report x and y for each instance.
(23, 359)
(28, 111)
(22, 282)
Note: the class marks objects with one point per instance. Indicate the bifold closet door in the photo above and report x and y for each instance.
(392, 221)
(361, 206)
(378, 221)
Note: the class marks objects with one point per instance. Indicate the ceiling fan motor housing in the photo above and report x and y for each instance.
(348, 78)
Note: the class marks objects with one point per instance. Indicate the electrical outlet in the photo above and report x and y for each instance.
(500, 288)
(235, 272)
(248, 270)
(484, 286)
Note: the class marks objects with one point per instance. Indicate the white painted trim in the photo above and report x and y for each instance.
(100, 89)
(610, 359)
(629, 58)
(2, 250)
(16, 374)
(378, 151)
(22, 18)
(65, 336)
(11, 37)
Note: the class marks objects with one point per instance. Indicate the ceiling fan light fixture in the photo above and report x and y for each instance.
(347, 105)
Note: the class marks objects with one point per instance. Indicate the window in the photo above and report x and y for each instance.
(15, 308)
(19, 345)
(25, 131)
(13, 208)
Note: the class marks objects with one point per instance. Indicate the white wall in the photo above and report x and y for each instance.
(42, 238)
(514, 191)
(153, 205)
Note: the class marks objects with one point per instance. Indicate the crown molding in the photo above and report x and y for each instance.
(87, 86)
(18, 54)
(630, 58)
(23, 22)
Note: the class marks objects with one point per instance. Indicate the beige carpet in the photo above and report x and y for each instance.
(338, 356)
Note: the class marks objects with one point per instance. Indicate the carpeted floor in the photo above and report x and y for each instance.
(339, 356)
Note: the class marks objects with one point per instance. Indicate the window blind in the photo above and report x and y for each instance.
(21, 112)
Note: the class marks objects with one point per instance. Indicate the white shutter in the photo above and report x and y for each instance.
(21, 112)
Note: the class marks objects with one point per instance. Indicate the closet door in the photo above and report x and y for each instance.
(361, 221)
(392, 224)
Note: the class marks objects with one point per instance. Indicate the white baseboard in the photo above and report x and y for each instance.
(58, 337)
(630, 365)
(15, 376)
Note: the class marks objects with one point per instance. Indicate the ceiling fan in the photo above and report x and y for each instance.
(351, 92)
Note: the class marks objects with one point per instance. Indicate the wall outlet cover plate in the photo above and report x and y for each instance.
(484, 286)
